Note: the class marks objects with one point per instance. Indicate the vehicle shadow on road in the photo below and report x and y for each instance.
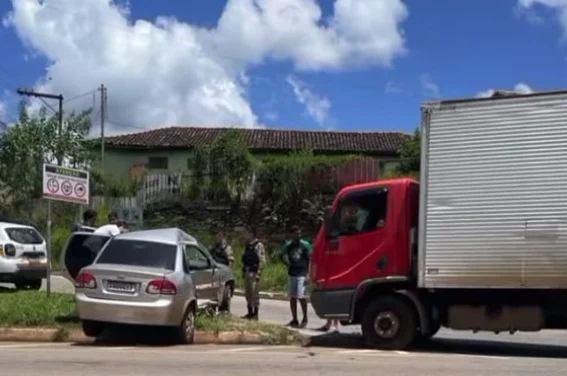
(450, 346)
(133, 336)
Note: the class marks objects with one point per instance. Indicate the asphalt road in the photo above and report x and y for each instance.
(71, 360)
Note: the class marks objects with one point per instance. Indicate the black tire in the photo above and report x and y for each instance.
(186, 332)
(92, 329)
(226, 302)
(399, 324)
(34, 284)
(31, 284)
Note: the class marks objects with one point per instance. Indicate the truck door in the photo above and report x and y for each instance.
(361, 241)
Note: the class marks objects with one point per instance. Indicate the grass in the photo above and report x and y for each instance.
(33, 309)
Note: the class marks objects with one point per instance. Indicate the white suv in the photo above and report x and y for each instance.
(23, 256)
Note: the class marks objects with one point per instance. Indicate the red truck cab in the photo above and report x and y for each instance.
(367, 243)
(369, 237)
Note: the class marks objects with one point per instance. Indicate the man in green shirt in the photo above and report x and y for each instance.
(296, 253)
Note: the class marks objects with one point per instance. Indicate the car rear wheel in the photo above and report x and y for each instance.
(389, 323)
(92, 328)
(226, 300)
(186, 331)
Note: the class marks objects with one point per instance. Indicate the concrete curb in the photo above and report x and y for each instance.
(282, 296)
(77, 336)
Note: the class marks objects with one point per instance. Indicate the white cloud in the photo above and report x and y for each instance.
(170, 72)
(528, 7)
(429, 87)
(392, 87)
(317, 106)
(520, 88)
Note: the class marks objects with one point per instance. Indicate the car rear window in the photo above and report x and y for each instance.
(24, 235)
(139, 253)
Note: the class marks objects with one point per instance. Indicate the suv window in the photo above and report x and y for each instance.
(196, 258)
(24, 235)
(139, 253)
(362, 212)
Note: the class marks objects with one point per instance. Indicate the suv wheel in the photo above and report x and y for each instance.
(92, 328)
(389, 323)
(33, 284)
(226, 300)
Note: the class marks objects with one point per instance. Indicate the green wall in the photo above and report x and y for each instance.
(119, 161)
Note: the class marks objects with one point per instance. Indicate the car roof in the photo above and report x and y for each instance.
(9, 224)
(171, 235)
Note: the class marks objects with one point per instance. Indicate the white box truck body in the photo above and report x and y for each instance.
(494, 193)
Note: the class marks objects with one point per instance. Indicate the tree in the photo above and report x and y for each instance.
(410, 156)
(35, 140)
(231, 166)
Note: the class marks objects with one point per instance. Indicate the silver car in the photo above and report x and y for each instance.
(152, 277)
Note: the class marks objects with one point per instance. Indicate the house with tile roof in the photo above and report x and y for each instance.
(169, 149)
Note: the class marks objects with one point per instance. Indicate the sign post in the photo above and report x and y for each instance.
(62, 184)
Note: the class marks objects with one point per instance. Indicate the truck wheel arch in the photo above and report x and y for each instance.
(368, 289)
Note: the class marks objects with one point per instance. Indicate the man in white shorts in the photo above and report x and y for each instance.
(296, 253)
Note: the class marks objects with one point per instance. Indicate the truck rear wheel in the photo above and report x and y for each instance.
(389, 323)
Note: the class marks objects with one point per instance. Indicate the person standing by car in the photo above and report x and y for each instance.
(222, 251)
(253, 260)
(112, 228)
(88, 222)
(296, 253)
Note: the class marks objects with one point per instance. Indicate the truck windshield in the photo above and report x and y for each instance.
(139, 253)
(24, 235)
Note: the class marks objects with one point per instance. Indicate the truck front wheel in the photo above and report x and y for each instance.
(389, 323)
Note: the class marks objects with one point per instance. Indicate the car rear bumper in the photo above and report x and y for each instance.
(162, 312)
(28, 273)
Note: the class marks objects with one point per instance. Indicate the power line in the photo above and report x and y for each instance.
(90, 92)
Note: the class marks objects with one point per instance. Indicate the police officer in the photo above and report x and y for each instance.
(222, 251)
(253, 260)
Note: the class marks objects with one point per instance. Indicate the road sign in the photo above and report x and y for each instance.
(65, 184)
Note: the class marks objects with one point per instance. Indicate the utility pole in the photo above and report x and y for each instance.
(103, 97)
(33, 93)
(59, 97)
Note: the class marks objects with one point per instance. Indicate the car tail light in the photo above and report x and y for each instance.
(10, 250)
(85, 281)
(161, 286)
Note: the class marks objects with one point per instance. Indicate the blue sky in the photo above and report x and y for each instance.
(452, 49)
